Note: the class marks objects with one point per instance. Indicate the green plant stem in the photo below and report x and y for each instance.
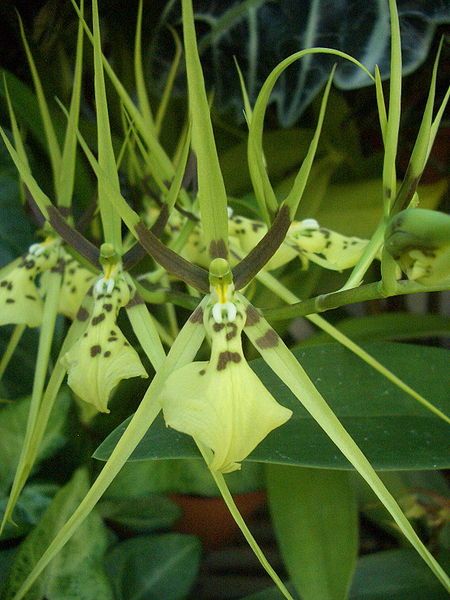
(228, 499)
(370, 291)
(11, 348)
(42, 360)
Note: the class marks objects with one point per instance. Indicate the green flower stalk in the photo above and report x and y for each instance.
(223, 404)
(102, 357)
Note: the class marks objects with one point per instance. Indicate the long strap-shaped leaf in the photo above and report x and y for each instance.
(281, 360)
(182, 352)
(37, 429)
(110, 219)
(42, 360)
(211, 188)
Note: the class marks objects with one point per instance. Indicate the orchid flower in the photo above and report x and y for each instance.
(221, 402)
(102, 356)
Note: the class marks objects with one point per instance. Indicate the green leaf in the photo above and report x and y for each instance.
(315, 517)
(211, 190)
(393, 575)
(388, 326)
(140, 478)
(13, 419)
(393, 431)
(397, 575)
(110, 218)
(169, 574)
(77, 572)
(143, 514)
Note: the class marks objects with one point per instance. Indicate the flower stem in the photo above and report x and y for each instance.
(370, 291)
(228, 499)
(11, 348)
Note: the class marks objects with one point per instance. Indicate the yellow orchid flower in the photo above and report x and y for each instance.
(221, 402)
(20, 298)
(102, 357)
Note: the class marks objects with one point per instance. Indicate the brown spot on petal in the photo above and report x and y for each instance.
(108, 307)
(95, 350)
(98, 319)
(218, 249)
(106, 354)
(253, 316)
(268, 340)
(218, 326)
(202, 372)
(82, 314)
(233, 331)
(197, 315)
(226, 357)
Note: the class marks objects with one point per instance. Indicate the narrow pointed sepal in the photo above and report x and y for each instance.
(102, 357)
(222, 403)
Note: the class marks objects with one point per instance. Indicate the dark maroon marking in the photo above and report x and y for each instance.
(202, 372)
(253, 316)
(218, 249)
(226, 357)
(10, 301)
(197, 315)
(98, 319)
(59, 267)
(218, 326)
(95, 350)
(107, 353)
(30, 297)
(82, 314)
(108, 307)
(135, 301)
(112, 339)
(233, 333)
(268, 340)
(29, 264)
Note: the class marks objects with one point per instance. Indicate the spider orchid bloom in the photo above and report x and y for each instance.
(221, 402)
(20, 297)
(102, 357)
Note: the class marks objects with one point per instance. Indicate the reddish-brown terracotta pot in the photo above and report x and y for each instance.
(210, 519)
